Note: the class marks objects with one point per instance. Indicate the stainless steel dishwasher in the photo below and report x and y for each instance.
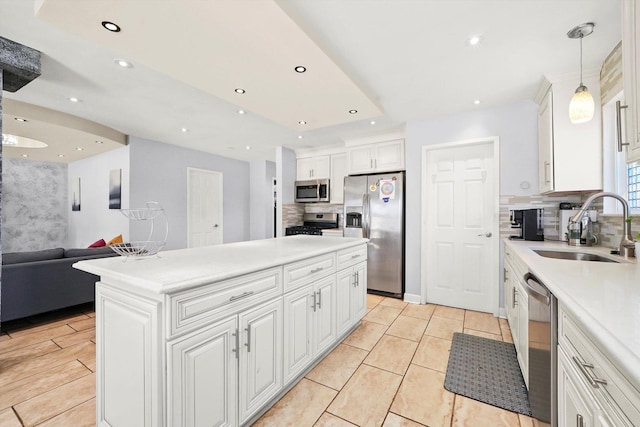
(543, 351)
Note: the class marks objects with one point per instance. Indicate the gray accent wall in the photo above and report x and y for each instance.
(286, 177)
(34, 205)
(517, 127)
(159, 173)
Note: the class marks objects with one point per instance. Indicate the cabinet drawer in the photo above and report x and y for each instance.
(306, 271)
(617, 394)
(351, 256)
(196, 307)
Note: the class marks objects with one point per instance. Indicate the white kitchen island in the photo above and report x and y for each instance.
(215, 335)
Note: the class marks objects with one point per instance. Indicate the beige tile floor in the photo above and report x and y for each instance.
(389, 372)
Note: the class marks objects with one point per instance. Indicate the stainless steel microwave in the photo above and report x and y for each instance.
(312, 191)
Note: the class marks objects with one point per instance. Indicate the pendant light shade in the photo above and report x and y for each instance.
(581, 107)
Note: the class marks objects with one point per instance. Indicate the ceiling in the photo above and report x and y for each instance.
(391, 60)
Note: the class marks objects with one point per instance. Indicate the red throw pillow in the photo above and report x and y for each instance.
(100, 243)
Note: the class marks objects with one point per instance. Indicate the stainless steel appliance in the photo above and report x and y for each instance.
(312, 191)
(313, 224)
(529, 222)
(374, 209)
(543, 356)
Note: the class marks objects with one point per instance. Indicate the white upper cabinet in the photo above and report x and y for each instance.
(338, 172)
(379, 157)
(630, 76)
(570, 155)
(317, 167)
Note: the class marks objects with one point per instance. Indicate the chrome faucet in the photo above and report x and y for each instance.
(627, 247)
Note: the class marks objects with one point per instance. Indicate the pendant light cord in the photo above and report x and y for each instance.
(581, 36)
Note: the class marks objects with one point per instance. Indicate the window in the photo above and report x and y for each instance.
(633, 179)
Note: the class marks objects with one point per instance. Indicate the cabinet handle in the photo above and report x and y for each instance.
(547, 166)
(248, 344)
(237, 349)
(506, 277)
(243, 295)
(357, 278)
(514, 300)
(619, 108)
(315, 270)
(355, 256)
(314, 302)
(579, 421)
(375, 163)
(582, 366)
(319, 304)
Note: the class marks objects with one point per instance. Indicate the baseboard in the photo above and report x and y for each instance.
(502, 313)
(412, 298)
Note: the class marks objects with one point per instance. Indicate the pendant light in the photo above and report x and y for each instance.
(581, 107)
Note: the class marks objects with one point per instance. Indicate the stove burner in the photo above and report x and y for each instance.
(303, 229)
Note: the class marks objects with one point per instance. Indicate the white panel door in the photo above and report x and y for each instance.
(360, 159)
(459, 244)
(389, 156)
(359, 292)
(260, 356)
(204, 208)
(345, 283)
(203, 377)
(298, 331)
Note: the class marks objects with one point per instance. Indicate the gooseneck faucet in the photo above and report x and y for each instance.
(627, 247)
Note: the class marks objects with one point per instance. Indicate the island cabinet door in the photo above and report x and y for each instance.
(346, 281)
(202, 378)
(575, 407)
(260, 356)
(325, 314)
(299, 308)
(359, 292)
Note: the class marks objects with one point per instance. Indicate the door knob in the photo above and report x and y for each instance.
(487, 234)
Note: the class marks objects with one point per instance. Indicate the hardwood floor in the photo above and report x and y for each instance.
(389, 372)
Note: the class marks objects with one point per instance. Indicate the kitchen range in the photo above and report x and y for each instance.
(314, 224)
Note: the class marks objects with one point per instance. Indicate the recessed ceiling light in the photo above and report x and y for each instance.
(20, 119)
(474, 40)
(373, 122)
(300, 69)
(108, 25)
(184, 130)
(239, 90)
(123, 63)
(25, 155)
(98, 142)
(79, 149)
(299, 136)
(73, 99)
(241, 111)
(248, 147)
(302, 122)
(60, 155)
(353, 111)
(477, 101)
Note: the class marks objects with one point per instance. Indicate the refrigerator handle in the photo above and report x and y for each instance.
(366, 207)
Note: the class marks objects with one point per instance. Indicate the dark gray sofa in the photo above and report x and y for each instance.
(40, 281)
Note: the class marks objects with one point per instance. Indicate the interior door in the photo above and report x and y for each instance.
(204, 209)
(459, 244)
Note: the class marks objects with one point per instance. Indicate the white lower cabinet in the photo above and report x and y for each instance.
(351, 303)
(591, 390)
(203, 375)
(260, 336)
(516, 301)
(310, 324)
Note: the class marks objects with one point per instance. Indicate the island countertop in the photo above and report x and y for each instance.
(181, 269)
(604, 297)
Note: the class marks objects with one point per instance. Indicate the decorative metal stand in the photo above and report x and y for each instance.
(151, 246)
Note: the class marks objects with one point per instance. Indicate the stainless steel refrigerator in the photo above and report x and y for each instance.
(374, 208)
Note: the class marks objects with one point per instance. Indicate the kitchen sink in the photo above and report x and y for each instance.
(576, 256)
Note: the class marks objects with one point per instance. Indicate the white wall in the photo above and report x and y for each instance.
(261, 198)
(286, 177)
(95, 220)
(159, 173)
(515, 124)
(34, 205)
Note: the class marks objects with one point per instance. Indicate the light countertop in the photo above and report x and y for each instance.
(604, 297)
(187, 268)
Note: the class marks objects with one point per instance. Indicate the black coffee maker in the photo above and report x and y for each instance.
(529, 222)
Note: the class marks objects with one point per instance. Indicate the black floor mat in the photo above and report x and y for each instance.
(486, 370)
